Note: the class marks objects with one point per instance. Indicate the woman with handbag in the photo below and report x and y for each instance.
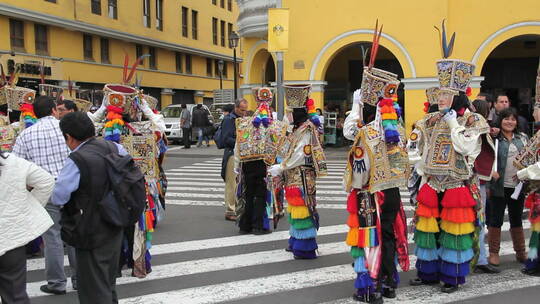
(503, 185)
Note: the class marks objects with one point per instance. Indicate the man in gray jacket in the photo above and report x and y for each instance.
(185, 124)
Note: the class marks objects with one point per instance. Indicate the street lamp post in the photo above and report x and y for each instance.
(220, 68)
(233, 42)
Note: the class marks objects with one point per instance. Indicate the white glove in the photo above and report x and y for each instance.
(236, 171)
(357, 98)
(105, 101)
(451, 115)
(275, 170)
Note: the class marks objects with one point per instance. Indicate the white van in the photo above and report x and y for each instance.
(172, 121)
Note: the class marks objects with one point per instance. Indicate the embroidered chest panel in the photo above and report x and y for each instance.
(258, 143)
(389, 162)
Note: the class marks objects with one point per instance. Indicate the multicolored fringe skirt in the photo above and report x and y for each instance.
(363, 222)
(303, 221)
(533, 203)
(444, 236)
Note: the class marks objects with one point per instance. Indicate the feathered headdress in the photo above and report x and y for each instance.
(453, 74)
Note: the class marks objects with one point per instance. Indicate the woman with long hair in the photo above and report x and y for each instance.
(503, 184)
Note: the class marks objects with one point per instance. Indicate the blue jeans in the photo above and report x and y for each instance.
(201, 136)
(482, 257)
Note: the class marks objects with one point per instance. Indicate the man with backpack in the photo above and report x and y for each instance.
(226, 139)
(93, 215)
(200, 122)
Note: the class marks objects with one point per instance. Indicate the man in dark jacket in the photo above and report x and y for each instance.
(200, 122)
(79, 187)
(228, 132)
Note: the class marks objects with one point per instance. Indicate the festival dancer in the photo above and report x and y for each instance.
(452, 139)
(303, 163)
(377, 166)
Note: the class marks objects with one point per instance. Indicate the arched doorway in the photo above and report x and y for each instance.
(344, 75)
(269, 71)
(511, 69)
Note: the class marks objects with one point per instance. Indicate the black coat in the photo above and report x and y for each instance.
(228, 132)
(199, 118)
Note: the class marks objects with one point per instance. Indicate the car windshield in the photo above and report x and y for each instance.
(173, 112)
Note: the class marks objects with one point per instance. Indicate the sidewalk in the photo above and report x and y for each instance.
(212, 151)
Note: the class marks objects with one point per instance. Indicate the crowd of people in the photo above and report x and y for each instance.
(89, 184)
(464, 164)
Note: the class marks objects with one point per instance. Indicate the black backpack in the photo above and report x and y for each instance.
(125, 200)
(218, 138)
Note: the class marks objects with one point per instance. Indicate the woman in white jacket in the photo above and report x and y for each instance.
(22, 219)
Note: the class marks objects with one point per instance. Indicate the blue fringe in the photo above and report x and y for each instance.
(363, 281)
(455, 270)
(303, 234)
(427, 266)
(532, 264)
(360, 265)
(452, 280)
(426, 254)
(315, 120)
(456, 256)
(266, 122)
(305, 245)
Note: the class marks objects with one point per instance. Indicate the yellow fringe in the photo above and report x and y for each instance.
(298, 212)
(352, 237)
(535, 227)
(427, 224)
(457, 228)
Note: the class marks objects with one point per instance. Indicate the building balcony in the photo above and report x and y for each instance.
(253, 17)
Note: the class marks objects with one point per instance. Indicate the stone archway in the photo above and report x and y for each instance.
(511, 69)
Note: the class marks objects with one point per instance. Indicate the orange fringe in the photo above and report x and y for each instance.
(458, 215)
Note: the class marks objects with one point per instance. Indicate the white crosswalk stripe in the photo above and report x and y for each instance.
(212, 277)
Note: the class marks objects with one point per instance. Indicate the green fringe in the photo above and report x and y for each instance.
(456, 242)
(425, 239)
(357, 252)
(300, 224)
(535, 238)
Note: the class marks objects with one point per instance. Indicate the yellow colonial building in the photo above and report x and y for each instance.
(326, 39)
(85, 41)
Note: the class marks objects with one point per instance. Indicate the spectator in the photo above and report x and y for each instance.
(274, 113)
(321, 116)
(23, 219)
(185, 124)
(228, 108)
(502, 102)
(228, 132)
(200, 122)
(65, 106)
(44, 145)
(75, 189)
(503, 184)
(483, 166)
(489, 99)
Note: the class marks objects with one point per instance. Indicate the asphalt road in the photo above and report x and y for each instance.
(198, 257)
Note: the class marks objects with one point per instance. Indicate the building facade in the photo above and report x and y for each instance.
(326, 39)
(86, 41)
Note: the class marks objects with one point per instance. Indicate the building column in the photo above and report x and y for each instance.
(166, 97)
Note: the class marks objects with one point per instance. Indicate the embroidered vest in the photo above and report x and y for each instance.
(445, 167)
(389, 163)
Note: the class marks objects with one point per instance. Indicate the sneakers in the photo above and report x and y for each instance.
(486, 269)
(45, 288)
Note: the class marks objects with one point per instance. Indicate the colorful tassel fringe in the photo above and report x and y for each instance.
(312, 112)
(28, 115)
(368, 237)
(389, 110)
(114, 124)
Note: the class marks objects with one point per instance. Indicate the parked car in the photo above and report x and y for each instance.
(172, 122)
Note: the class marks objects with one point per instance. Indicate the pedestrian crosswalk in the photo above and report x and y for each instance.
(227, 267)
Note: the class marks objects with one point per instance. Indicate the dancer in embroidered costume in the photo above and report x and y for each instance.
(528, 160)
(303, 163)
(123, 108)
(257, 140)
(376, 167)
(449, 141)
